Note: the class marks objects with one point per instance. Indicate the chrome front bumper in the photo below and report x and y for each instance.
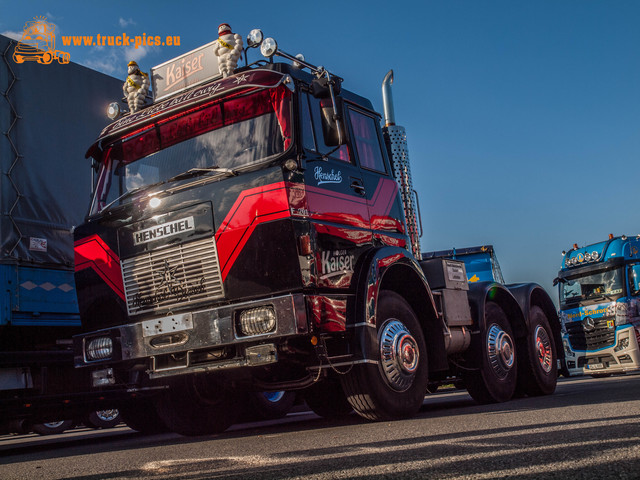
(199, 341)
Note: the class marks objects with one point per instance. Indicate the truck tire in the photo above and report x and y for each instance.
(53, 428)
(142, 417)
(103, 418)
(270, 405)
(195, 405)
(396, 387)
(326, 398)
(538, 365)
(496, 379)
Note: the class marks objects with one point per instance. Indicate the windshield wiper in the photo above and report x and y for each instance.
(132, 192)
(194, 172)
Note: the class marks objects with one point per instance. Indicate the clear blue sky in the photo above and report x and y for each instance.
(523, 117)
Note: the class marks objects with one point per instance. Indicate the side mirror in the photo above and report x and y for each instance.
(333, 122)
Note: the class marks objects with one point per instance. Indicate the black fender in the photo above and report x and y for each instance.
(481, 292)
(530, 294)
(394, 268)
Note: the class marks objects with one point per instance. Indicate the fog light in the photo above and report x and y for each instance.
(622, 344)
(102, 378)
(99, 348)
(257, 321)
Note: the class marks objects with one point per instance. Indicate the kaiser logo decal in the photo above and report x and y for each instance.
(337, 262)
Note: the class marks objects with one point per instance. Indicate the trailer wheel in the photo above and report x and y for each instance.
(270, 405)
(495, 381)
(327, 399)
(538, 366)
(396, 387)
(196, 405)
(141, 416)
(53, 428)
(103, 418)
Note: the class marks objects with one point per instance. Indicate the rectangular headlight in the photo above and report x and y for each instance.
(98, 348)
(257, 321)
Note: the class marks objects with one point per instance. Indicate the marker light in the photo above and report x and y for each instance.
(269, 47)
(155, 202)
(113, 111)
(298, 65)
(254, 39)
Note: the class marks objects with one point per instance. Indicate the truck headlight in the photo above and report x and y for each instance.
(99, 348)
(257, 321)
(622, 314)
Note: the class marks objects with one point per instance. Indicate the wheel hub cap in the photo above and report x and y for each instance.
(500, 350)
(543, 348)
(399, 355)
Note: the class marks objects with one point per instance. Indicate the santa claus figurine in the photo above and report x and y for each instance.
(228, 49)
(136, 87)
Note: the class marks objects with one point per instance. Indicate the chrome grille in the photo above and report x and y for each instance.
(172, 277)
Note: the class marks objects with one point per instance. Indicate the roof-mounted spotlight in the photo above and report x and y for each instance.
(269, 47)
(113, 111)
(255, 37)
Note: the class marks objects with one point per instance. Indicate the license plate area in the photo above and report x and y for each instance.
(595, 366)
(164, 325)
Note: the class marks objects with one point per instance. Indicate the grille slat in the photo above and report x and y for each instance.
(600, 337)
(172, 277)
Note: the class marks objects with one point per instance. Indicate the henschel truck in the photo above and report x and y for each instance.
(258, 231)
(598, 289)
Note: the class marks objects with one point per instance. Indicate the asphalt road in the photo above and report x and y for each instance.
(590, 428)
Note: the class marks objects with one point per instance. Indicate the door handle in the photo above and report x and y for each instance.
(356, 184)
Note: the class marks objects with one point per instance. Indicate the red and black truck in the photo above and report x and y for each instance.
(258, 232)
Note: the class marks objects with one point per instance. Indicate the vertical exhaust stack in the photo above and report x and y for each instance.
(396, 140)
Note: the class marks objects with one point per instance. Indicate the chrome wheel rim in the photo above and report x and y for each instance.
(107, 415)
(543, 348)
(399, 355)
(500, 350)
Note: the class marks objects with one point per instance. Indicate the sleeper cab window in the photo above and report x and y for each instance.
(366, 141)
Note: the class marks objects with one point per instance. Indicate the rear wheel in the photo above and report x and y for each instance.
(395, 388)
(103, 418)
(538, 366)
(196, 405)
(270, 405)
(53, 428)
(495, 379)
(327, 399)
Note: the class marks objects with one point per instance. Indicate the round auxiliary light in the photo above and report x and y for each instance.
(269, 47)
(587, 257)
(254, 38)
(155, 202)
(595, 256)
(113, 111)
(298, 65)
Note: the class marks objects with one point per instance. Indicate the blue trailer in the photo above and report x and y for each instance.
(48, 114)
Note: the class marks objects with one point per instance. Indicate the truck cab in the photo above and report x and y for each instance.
(257, 231)
(598, 288)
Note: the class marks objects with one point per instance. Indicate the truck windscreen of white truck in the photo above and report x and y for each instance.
(222, 137)
(607, 284)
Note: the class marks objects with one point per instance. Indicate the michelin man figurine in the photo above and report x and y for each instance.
(136, 87)
(228, 49)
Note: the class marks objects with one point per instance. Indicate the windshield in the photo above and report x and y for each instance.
(595, 286)
(223, 137)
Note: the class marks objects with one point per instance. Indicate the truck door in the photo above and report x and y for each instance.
(336, 198)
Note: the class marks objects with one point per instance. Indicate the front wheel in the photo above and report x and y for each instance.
(396, 386)
(326, 398)
(495, 379)
(103, 418)
(197, 405)
(538, 367)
